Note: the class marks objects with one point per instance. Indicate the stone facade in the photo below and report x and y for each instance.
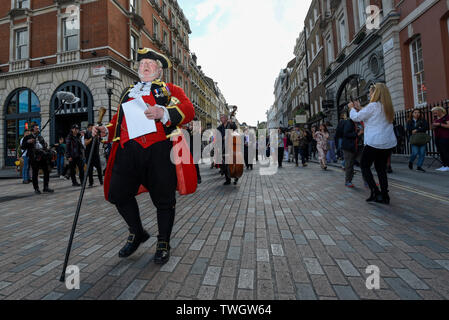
(44, 82)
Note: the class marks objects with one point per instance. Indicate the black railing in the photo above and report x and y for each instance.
(402, 118)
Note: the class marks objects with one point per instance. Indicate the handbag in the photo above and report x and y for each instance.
(420, 139)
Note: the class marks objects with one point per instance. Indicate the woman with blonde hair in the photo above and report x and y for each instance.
(441, 127)
(379, 138)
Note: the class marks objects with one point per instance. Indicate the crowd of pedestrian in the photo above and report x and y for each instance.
(68, 156)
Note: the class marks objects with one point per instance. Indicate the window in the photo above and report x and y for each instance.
(362, 12)
(155, 29)
(22, 108)
(317, 42)
(329, 49)
(22, 4)
(313, 52)
(314, 80)
(133, 6)
(315, 13)
(319, 74)
(21, 44)
(70, 35)
(133, 47)
(342, 31)
(419, 87)
(166, 38)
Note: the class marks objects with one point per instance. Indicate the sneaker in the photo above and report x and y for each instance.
(61, 177)
(420, 169)
(446, 169)
(441, 169)
(349, 185)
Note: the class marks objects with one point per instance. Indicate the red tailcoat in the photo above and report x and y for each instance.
(181, 112)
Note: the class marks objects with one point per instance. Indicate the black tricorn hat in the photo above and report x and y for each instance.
(147, 53)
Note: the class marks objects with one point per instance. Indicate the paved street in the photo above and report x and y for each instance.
(295, 235)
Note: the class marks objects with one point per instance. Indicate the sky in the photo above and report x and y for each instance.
(243, 45)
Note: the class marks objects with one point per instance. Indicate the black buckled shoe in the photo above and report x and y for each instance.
(133, 244)
(162, 253)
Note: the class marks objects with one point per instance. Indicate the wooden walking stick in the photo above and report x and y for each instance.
(102, 111)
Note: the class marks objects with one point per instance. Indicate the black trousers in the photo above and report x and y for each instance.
(35, 167)
(280, 156)
(379, 157)
(76, 162)
(198, 174)
(443, 149)
(151, 167)
(248, 162)
(97, 164)
(300, 152)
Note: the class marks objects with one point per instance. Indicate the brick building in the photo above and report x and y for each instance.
(315, 56)
(69, 45)
(415, 38)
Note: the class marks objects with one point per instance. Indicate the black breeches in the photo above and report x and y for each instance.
(152, 167)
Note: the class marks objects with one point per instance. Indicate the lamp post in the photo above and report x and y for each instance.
(109, 85)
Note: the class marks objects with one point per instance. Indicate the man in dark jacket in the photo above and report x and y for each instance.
(37, 150)
(226, 124)
(74, 154)
(349, 146)
(95, 162)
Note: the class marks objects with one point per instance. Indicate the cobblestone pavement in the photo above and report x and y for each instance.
(296, 235)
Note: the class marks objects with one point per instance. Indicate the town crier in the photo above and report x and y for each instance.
(144, 163)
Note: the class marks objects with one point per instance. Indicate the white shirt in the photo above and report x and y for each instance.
(379, 132)
(144, 89)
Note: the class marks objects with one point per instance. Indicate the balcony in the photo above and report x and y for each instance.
(17, 12)
(61, 2)
(19, 65)
(68, 56)
(137, 19)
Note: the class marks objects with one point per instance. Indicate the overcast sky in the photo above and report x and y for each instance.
(243, 45)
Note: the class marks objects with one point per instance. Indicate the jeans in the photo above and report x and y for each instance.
(26, 169)
(331, 157)
(60, 164)
(340, 152)
(418, 151)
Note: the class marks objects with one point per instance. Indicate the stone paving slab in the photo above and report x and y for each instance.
(298, 234)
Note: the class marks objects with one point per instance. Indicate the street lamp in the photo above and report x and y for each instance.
(109, 85)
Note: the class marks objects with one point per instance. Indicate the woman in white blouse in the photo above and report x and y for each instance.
(379, 138)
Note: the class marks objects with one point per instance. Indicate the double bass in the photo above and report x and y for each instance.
(236, 169)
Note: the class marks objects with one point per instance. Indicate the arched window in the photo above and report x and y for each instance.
(22, 107)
